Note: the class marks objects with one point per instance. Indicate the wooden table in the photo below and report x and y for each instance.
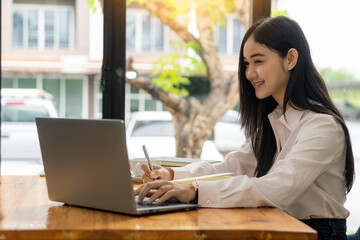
(27, 213)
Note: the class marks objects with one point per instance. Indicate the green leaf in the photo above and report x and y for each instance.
(275, 12)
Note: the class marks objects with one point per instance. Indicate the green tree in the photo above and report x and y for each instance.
(275, 12)
(337, 76)
(194, 121)
(172, 70)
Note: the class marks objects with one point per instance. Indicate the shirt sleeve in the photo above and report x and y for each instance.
(242, 162)
(319, 143)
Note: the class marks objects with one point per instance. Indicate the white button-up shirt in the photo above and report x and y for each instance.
(306, 180)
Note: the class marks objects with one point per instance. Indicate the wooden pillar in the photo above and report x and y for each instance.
(259, 9)
(113, 70)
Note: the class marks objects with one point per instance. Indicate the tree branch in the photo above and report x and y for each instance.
(243, 9)
(162, 14)
(209, 52)
(170, 100)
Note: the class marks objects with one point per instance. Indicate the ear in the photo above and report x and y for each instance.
(291, 59)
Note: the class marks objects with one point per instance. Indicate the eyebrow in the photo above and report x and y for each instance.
(256, 55)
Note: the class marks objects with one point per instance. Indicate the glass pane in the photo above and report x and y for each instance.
(150, 105)
(52, 86)
(147, 128)
(130, 31)
(33, 28)
(134, 105)
(41, 63)
(7, 82)
(146, 33)
(49, 28)
(64, 29)
(239, 32)
(22, 113)
(74, 98)
(134, 89)
(18, 29)
(221, 39)
(26, 83)
(159, 35)
(166, 58)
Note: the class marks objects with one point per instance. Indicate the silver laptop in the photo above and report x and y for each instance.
(86, 164)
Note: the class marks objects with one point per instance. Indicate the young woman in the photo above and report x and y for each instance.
(298, 156)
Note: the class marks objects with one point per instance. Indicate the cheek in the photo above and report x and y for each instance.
(270, 72)
(247, 74)
(263, 72)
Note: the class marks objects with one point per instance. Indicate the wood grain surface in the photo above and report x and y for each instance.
(27, 213)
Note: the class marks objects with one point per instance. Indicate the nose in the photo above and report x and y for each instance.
(250, 73)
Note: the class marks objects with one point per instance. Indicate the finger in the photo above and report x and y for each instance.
(169, 195)
(155, 174)
(147, 176)
(145, 168)
(150, 193)
(147, 179)
(156, 167)
(161, 191)
(143, 192)
(137, 190)
(147, 187)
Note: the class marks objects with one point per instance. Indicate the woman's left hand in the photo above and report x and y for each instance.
(165, 191)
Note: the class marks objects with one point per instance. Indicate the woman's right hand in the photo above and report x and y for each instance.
(159, 173)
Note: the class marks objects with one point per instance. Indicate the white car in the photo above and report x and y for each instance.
(20, 107)
(156, 131)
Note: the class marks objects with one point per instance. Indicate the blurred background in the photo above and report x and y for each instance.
(52, 57)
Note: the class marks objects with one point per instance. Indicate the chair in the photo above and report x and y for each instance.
(355, 236)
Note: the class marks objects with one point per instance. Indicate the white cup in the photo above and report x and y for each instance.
(135, 165)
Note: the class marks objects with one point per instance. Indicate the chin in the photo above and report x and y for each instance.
(261, 96)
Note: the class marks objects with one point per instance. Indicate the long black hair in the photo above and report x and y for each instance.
(304, 87)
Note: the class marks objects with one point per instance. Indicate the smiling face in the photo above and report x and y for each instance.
(267, 71)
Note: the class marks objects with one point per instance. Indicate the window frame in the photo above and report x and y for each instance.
(139, 15)
(41, 9)
(229, 34)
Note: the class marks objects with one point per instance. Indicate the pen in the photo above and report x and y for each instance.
(147, 158)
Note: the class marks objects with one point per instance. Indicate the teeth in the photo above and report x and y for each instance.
(258, 83)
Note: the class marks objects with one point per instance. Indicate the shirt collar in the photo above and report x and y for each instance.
(290, 119)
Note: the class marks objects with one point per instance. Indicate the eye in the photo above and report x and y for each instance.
(246, 64)
(258, 61)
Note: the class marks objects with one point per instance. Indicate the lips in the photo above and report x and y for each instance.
(258, 84)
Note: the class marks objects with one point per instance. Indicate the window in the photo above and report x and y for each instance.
(26, 83)
(228, 36)
(7, 82)
(18, 28)
(41, 39)
(42, 26)
(152, 34)
(52, 86)
(130, 31)
(144, 32)
(220, 38)
(140, 100)
(158, 128)
(22, 112)
(238, 34)
(74, 96)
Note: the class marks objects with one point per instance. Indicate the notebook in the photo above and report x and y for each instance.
(86, 164)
